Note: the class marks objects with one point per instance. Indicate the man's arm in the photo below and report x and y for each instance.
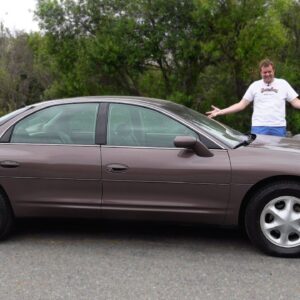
(230, 109)
(295, 103)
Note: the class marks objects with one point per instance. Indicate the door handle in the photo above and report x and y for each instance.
(116, 168)
(9, 164)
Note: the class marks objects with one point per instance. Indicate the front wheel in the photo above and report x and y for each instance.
(272, 219)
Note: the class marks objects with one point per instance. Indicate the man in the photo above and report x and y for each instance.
(269, 96)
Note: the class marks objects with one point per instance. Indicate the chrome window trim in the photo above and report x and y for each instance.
(36, 144)
(147, 147)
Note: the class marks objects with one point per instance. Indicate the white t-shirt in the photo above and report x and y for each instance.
(269, 101)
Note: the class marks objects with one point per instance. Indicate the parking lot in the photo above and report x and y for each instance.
(104, 260)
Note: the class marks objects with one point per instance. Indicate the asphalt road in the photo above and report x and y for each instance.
(104, 260)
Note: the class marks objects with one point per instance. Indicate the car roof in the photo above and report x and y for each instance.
(116, 99)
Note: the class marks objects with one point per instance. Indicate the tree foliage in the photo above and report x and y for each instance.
(195, 52)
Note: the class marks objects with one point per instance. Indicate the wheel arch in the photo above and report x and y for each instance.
(256, 188)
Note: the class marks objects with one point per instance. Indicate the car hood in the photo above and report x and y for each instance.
(277, 143)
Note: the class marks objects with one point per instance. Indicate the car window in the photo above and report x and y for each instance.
(224, 133)
(130, 125)
(60, 124)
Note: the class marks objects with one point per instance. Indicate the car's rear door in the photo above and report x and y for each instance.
(144, 172)
(52, 165)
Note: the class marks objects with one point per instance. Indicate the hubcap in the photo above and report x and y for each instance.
(280, 221)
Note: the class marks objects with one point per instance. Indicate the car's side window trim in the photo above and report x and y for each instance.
(101, 124)
(7, 135)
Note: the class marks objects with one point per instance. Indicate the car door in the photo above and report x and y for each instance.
(52, 164)
(143, 171)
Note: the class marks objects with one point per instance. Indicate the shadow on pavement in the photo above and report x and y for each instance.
(127, 231)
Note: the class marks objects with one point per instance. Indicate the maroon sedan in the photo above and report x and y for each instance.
(140, 158)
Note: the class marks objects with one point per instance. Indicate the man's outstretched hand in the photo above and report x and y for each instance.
(213, 113)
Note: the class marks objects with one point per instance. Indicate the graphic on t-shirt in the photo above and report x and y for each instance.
(269, 89)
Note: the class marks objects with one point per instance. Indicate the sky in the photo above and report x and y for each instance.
(18, 15)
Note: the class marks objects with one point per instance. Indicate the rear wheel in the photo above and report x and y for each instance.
(6, 217)
(272, 219)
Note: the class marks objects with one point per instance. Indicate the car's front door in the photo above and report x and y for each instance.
(52, 164)
(143, 171)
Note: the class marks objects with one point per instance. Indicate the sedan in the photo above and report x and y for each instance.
(148, 159)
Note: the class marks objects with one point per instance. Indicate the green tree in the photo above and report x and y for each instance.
(19, 83)
(289, 65)
(196, 52)
(242, 32)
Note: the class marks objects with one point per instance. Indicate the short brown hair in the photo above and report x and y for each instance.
(265, 63)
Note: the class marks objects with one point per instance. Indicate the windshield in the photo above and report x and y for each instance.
(10, 115)
(225, 134)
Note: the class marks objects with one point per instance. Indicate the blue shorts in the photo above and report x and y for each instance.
(268, 130)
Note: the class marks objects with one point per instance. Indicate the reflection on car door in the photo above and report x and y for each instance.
(152, 177)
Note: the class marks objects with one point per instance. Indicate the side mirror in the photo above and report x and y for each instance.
(190, 142)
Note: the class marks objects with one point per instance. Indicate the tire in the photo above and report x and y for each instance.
(272, 219)
(6, 217)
